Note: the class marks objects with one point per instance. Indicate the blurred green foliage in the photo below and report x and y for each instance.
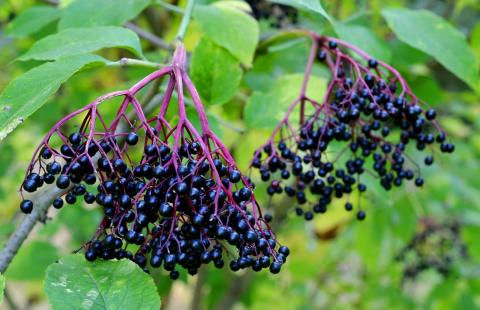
(336, 262)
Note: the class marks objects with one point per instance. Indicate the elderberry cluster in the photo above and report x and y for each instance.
(436, 246)
(170, 196)
(278, 15)
(364, 127)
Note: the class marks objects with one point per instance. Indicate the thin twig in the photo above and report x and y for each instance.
(187, 15)
(8, 298)
(150, 37)
(42, 203)
(123, 62)
(198, 290)
(169, 6)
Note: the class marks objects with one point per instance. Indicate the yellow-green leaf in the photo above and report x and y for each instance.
(230, 28)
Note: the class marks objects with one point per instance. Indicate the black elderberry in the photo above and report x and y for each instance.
(159, 172)
(90, 255)
(245, 193)
(70, 198)
(132, 138)
(275, 267)
(322, 55)
(361, 215)
(419, 181)
(348, 206)
(63, 181)
(89, 198)
(75, 138)
(107, 201)
(46, 153)
(90, 179)
(54, 168)
(428, 160)
(430, 114)
(141, 260)
(182, 188)
(105, 146)
(332, 44)
(26, 206)
(174, 274)
(30, 185)
(165, 209)
(48, 178)
(57, 203)
(120, 165)
(170, 260)
(234, 176)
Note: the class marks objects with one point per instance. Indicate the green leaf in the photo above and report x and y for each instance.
(74, 283)
(403, 55)
(215, 72)
(32, 20)
(372, 236)
(230, 28)
(269, 66)
(475, 40)
(28, 92)
(31, 261)
(365, 39)
(265, 109)
(80, 222)
(2, 287)
(436, 37)
(312, 5)
(86, 13)
(212, 121)
(427, 89)
(75, 41)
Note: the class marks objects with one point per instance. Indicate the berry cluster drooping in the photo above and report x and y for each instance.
(171, 195)
(367, 124)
